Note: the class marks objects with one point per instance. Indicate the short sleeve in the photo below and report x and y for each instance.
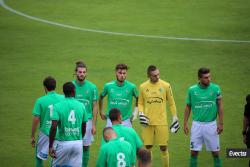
(105, 90)
(95, 93)
(37, 109)
(85, 115)
(138, 141)
(188, 99)
(218, 93)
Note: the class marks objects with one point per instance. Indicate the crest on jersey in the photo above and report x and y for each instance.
(161, 90)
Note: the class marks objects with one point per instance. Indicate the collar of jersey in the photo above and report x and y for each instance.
(80, 84)
(203, 87)
(114, 139)
(69, 98)
(118, 125)
(120, 85)
(51, 92)
(154, 83)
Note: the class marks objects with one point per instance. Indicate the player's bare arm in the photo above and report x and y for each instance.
(84, 125)
(186, 116)
(52, 135)
(103, 117)
(135, 112)
(95, 113)
(221, 115)
(35, 123)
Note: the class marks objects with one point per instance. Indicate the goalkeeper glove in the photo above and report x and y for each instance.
(143, 119)
(175, 126)
(134, 115)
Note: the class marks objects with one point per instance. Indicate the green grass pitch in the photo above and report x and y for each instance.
(31, 50)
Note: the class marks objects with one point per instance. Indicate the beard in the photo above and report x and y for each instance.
(80, 78)
(205, 83)
(120, 80)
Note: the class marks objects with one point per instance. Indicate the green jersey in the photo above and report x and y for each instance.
(70, 115)
(129, 135)
(86, 93)
(115, 153)
(120, 96)
(44, 108)
(203, 102)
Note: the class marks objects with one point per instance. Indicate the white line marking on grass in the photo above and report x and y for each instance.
(115, 33)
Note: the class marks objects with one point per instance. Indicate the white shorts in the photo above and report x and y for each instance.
(68, 153)
(42, 147)
(88, 137)
(204, 132)
(126, 122)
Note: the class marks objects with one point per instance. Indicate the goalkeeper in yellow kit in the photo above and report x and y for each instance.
(153, 97)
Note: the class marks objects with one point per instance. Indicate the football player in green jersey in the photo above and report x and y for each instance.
(70, 117)
(86, 93)
(116, 152)
(42, 114)
(205, 101)
(128, 134)
(120, 94)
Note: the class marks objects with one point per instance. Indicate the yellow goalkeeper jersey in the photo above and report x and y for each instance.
(153, 101)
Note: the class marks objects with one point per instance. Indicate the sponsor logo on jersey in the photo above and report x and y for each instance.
(120, 102)
(161, 90)
(70, 131)
(155, 100)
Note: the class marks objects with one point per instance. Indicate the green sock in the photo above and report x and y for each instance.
(85, 157)
(193, 161)
(217, 162)
(39, 162)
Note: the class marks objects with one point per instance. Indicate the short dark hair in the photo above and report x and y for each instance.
(203, 70)
(105, 131)
(50, 83)
(69, 89)
(248, 98)
(150, 69)
(144, 156)
(121, 67)
(114, 114)
(80, 64)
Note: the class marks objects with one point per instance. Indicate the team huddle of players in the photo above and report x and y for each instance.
(68, 123)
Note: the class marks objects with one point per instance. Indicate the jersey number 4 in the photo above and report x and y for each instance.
(72, 117)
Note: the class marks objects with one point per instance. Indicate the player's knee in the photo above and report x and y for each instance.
(149, 147)
(194, 153)
(163, 148)
(215, 153)
(85, 148)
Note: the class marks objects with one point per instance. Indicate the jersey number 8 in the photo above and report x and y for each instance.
(121, 160)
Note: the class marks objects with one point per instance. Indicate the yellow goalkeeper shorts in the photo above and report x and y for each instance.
(155, 134)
